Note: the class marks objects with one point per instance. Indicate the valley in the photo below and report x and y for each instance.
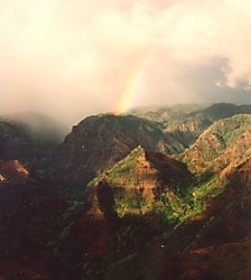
(154, 194)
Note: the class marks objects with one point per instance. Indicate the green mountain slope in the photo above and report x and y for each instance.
(144, 182)
(226, 142)
(185, 123)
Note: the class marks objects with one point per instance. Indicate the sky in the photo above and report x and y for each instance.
(73, 58)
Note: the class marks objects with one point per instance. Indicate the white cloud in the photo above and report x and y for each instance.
(74, 58)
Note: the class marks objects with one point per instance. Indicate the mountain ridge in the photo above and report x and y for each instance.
(126, 197)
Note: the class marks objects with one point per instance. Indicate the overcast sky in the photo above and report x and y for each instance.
(72, 58)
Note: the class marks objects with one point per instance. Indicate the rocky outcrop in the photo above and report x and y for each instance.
(138, 180)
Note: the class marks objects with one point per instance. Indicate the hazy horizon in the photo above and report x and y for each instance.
(71, 59)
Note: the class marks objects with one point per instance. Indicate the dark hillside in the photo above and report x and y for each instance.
(16, 144)
(98, 142)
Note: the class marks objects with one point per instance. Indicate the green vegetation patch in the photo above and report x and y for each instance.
(123, 173)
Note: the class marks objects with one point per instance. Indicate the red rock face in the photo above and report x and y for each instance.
(217, 262)
(13, 170)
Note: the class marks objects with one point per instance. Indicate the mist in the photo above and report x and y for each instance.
(70, 59)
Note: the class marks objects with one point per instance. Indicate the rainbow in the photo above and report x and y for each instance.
(133, 90)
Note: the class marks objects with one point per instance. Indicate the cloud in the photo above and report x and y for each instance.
(74, 58)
